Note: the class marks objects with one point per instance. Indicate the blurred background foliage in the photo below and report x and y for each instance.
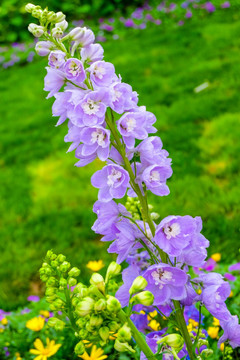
(46, 202)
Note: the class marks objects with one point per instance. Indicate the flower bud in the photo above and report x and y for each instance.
(144, 298)
(175, 341)
(124, 334)
(63, 25)
(63, 282)
(52, 281)
(51, 291)
(36, 30)
(61, 258)
(113, 305)
(74, 272)
(155, 216)
(44, 48)
(121, 347)
(57, 32)
(85, 306)
(60, 16)
(81, 322)
(29, 7)
(64, 267)
(96, 320)
(58, 303)
(82, 36)
(138, 284)
(37, 12)
(114, 326)
(72, 281)
(206, 353)
(56, 323)
(104, 333)
(44, 278)
(75, 301)
(83, 333)
(113, 270)
(54, 264)
(100, 305)
(97, 280)
(79, 348)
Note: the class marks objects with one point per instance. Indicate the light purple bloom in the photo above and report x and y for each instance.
(74, 70)
(84, 160)
(53, 81)
(82, 36)
(56, 59)
(234, 267)
(151, 152)
(229, 277)
(43, 48)
(73, 135)
(129, 23)
(33, 298)
(128, 275)
(155, 177)
(112, 181)
(188, 14)
(225, 5)
(95, 140)
(92, 53)
(210, 7)
(166, 283)
(102, 73)
(231, 333)
(61, 105)
(122, 98)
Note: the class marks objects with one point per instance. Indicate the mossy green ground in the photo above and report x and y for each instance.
(46, 202)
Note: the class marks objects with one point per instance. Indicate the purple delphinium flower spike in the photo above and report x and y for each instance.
(74, 70)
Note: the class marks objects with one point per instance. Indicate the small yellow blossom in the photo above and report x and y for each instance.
(193, 322)
(199, 291)
(36, 324)
(152, 314)
(44, 352)
(4, 321)
(87, 343)
(213, 331)
(216, 322)
(190, 327)
(45, 313)
(222, 346)
(216, 257)
(142, 312)
(95, 265)
(112, 335)
(96, 354)
(18, 356)
(154, 325)
(231, 294)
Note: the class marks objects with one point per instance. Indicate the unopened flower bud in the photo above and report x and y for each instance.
(202, 342)
(51, 290)
(81, 322)
(113, 305)
(122, 347)
(206, 353)
(72, 281)
(114, 326)
(83, 333)
(54, 264)
(56, 323)
(124, 334)
(175, 341)
(37, 12)
(60, 16)
(58, 303)
(104, 333)
(75, 301)
(63, 25)
(63, 282)
(79, 348)
(74, 272)
(97, 280)
(64, 267)
(96, 320)
(44, 48)
(138, 284)
(145, 298)
(61, 258)
(113, 270)
(100, 305)
(29, 7)
(51, 16)
(36, 30)
(85, 306)
(52, 281)
(155, 216)
(57, 32)
(82, 36)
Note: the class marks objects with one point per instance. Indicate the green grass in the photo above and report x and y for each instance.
(46, 202)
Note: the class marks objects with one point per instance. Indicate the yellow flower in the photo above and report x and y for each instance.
(87, 343)
(44, 352)
(4, 321)
(18, 356)
(152, 314)
(213, 332)
(36, 323)
(44, 313)
(216, 257)
(96, 354)
(231, 294)
(95, 265)
(153, 324)
(199, 291)
(216, 322)
(112, 335)
(193, 322)
(222, 346)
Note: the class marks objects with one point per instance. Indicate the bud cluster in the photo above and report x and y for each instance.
(145, 298)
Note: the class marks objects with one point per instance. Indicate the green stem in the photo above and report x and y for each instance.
(137, 336)
(70, 314)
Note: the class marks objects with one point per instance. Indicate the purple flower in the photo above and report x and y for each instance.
(74, 70)
(225, 5)
(135, 124)
(56, 59)
(166, 283)
(95, 140)
(25, 311)
(60, 106)
(155, 177)
(92, 53)
(210, 7)
(102, 73)
(84, 159)
(91, 110)
(33, 298)
(128, 275)
(231, 333)
(53, 81)
(112, 181)
(82, 36)
(30, 56)
(229, 277)
(129, 23)
(43, 48)
(188, 14)
(151, 152)
(234, 267)
(122, 98)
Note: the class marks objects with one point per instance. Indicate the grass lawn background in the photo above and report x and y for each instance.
(46, 202)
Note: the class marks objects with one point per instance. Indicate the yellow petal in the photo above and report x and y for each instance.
(38, 344)
(35, 351)
(85, 356)
(38, 357)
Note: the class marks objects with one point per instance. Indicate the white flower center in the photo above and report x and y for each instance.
(116, 95)
(99, 71)
(172, 230)
(160, 276)
(90, 107)
(99, 137)
(74, 69)
(130, 124)
(114, 177)
(154, 176)
(217, 297)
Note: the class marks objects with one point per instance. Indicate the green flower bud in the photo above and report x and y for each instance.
(100, 305)
(48, 271)
(51, 298)
(207, 352)
(97, 280)
(75, 301)
(57, 32)
(145, 298)
(56, 323)
(74, 272)
(175, 341)
(96, 320)
(81, 322)
(202, 342)
(63, 282)
(60, 16)
(155, 216)
(51, 291)
(83, 333)
(72, 281)
(121, 347)
(138, 284)
(113, 270)
(85, 306)
(49, 255)
(79, 348)
(44, 265)
(29, 7)
(64, 267)
(58, 303)
(124, 334)
(51, 17)
(113, 305)
(54, 264)
(44, 278)
(114, 326)
(104, 333)
(52, 281)
(61, 258)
